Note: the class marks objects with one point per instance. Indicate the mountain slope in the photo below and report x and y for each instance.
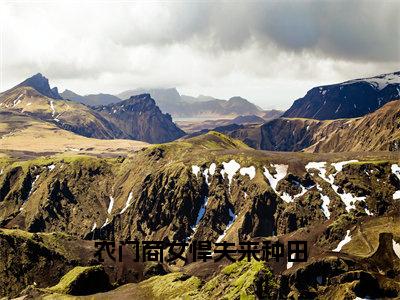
(46, 138)
(69, 115)
(349, 99)
(213, 187)
(378, 131)
(139, 118)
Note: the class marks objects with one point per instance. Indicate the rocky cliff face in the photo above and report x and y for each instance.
(349, 99)
(139, 118)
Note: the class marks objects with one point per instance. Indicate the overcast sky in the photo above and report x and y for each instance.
(270, 52)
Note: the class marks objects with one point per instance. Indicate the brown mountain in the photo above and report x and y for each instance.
(140, 118)
(374, 132)
(65, 114)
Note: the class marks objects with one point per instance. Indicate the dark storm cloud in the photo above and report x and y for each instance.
(350, 30)
(265, 50)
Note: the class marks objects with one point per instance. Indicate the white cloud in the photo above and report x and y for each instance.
(268, 52)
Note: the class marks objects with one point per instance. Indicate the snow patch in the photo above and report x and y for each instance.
(251, 171)
(17, 101)
(52, 108)
(94, 226)
(347, 198)
(105, 223)
(396, 195)
(205, 173)
(230, 168)
(288, 198)
(339, 165)
(51, 167)
(290, 263)
(368, 212)
(33, 185)
(281, 171)
(195, 170)
(378, 82)
(320, 166)
(128, 203)
(325, 203)
(346, 240)
(396, 248)
(212, 169)
(396, 171)
(110, 206)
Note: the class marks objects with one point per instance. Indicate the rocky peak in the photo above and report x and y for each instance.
(142, 102)
(41, 84)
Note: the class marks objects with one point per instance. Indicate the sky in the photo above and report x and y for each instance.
(269, 52)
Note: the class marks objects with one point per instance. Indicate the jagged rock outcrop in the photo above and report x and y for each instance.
(139, 118)
(41, 84)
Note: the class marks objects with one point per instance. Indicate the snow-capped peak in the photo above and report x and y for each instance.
(379, 82)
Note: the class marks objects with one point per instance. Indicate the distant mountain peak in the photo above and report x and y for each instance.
(41, 84)
(238, 100)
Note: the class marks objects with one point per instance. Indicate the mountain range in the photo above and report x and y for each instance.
(353, 98)
(207, 188)
(141, 113)
(91, 99)
(67, 182)
(178, 106)
(378, 131)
